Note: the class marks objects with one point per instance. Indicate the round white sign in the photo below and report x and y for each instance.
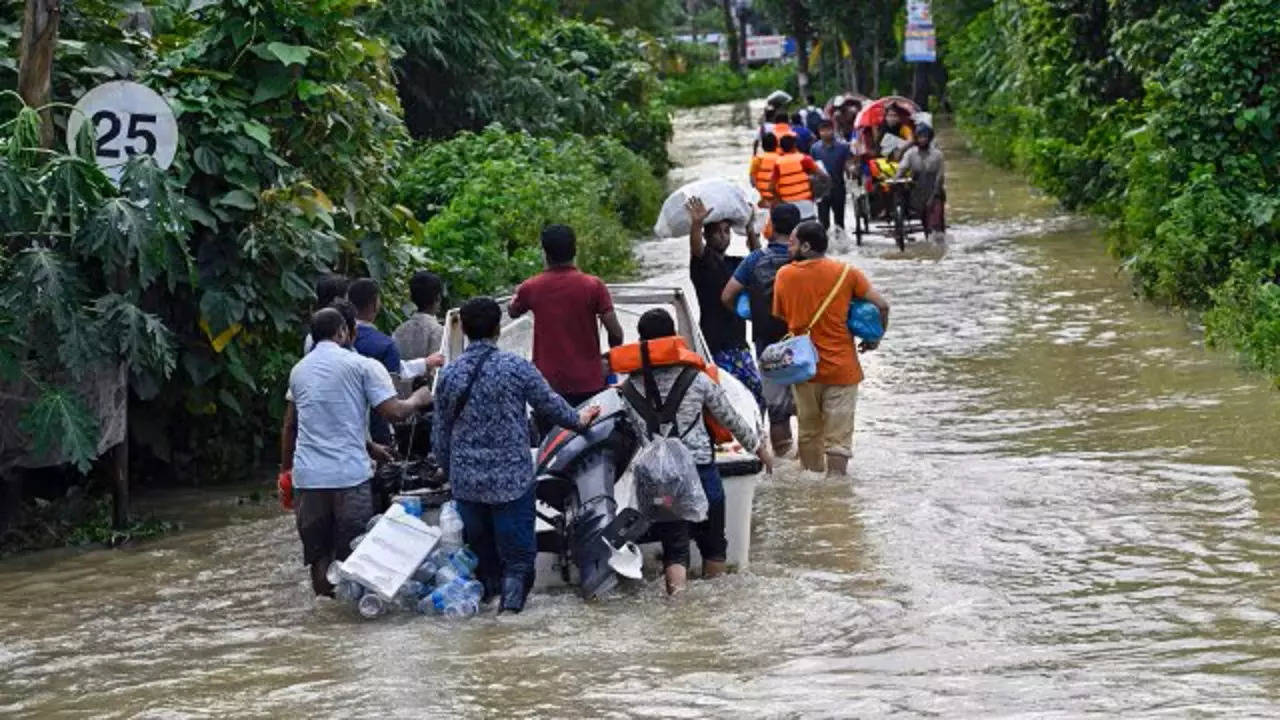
(128, 119)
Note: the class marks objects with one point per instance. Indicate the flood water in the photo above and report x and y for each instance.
(1062, 505)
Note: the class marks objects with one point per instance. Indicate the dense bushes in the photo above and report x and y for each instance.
(486, 196)
(467, 65)
(1162, 119)
(289, 131)
(714, 84)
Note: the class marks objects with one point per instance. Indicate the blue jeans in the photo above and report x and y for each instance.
(502, 537)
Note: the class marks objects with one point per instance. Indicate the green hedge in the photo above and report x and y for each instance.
(486, 196)
(1160, 118)
(716, 84)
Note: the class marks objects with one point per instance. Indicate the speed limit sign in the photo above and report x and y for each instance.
(128, 119)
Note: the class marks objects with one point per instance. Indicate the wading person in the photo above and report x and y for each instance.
(481, 440)
(791, 173)
(332, 391)
(710, 269)
(833, 154)
(568, 308)
(826, 404)
(674, 374)
(420, 336)
(373, 343)
(329, 287)
(923, 163)
(761, 170)
(756, 274)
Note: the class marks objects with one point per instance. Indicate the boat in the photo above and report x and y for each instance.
(574, 467)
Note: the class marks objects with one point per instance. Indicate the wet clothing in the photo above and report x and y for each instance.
(566, 343)
(756, 273)
(926, 168)
(486, 450)
(703, 393)
(825, 417)
(333, 390)
(504, 539)
(804, 138)
(721, 327)
(419, 336)
(833, 204)
(800, 290)
(834, 158)
(708, 534)
(740, 363)
(329, 519)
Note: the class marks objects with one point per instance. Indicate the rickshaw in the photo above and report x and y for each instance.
(877, 195)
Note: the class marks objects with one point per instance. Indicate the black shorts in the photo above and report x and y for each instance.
(328, 520)
(675, 536)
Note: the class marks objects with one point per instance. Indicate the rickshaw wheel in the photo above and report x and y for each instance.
(900, 225)
(861, 217)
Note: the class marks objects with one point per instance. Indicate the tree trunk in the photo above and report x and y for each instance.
(692, 7)
(731, 36)
(800, 31)
(35, 59)
(120, 484)
(875, 64)
(851, 68)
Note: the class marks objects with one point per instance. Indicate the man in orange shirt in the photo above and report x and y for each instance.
(826, 404)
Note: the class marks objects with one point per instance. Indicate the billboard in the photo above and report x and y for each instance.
(921, 41)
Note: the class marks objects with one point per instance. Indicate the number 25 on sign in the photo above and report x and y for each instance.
(128, 119)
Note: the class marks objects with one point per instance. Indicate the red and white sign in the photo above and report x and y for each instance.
(760, 48)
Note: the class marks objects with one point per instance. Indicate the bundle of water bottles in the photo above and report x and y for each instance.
(444, 584)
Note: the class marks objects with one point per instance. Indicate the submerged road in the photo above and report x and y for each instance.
(1061, 506)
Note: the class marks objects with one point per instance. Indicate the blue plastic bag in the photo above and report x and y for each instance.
(743, 307)
(790, 361)
(864, 321)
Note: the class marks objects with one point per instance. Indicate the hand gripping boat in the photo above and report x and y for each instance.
(587, 524)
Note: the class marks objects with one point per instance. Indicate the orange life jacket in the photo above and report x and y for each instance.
(764, 176)
(666, 352)
(782, 129)
(793, 181)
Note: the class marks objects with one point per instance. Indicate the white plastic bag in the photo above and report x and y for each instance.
(778, 97)
(725, 200)
(667, 482)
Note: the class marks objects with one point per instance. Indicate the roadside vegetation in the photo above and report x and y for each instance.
(1159, 117)
(363, 137)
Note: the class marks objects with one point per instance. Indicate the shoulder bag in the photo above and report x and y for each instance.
(794, 359)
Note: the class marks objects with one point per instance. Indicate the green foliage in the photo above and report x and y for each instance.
(486, 196)
(715, 84)
(466, 65)
(1158, 117)
(197, 277)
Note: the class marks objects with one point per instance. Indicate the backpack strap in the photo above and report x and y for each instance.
(652, 408)
(830, 296)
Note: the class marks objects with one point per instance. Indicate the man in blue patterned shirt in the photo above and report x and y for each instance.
(481, 438)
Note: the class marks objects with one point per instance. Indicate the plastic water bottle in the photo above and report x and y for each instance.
(460, 598)
(450, 527)
(460, 563)
(371, 605)
(412, 505)
(348, 591)
(410, 593)
(334, 573)
(426, 572)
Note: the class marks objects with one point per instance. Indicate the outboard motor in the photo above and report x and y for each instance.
(576, 475)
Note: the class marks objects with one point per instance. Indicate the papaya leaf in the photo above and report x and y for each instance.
(140, 337)
(60, 420)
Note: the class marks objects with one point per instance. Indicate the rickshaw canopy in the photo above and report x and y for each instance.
(873, 115)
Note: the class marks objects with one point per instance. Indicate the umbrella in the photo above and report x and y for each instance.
(873, 114)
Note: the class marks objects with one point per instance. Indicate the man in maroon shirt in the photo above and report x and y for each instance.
(568, 306)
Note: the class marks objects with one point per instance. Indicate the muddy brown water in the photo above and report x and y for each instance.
(1062, 506)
